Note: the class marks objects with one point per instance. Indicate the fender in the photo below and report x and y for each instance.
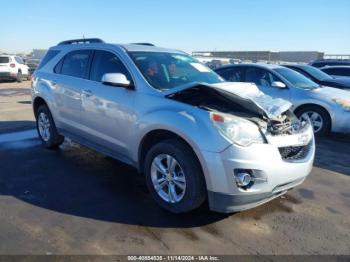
(43, 89)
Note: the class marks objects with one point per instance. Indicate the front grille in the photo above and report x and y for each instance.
(291, 153)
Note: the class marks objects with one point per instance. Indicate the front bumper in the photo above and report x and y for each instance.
(273, 175)
(341, 122)
(225, 203)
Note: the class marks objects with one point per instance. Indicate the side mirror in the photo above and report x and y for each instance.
(116, 79)
(278, 84)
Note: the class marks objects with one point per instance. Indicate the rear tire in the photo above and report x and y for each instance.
(183, 187)
(319, 118)
(19, 77)
(47, 129)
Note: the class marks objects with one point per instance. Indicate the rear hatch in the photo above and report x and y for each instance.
(4, 63)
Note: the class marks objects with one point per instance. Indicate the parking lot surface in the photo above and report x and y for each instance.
(76, 201)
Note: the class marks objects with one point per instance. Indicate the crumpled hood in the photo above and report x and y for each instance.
(246, 93)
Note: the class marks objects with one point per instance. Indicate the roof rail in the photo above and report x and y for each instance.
(148, 44)
(81, 41)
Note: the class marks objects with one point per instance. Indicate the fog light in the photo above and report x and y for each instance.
(243, 178)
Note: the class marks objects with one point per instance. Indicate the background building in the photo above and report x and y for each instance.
(338, 56)
(300, 57)
(38, 53)
(265, 56)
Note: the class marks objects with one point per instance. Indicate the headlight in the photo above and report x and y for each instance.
(345, 104)
(238, 130)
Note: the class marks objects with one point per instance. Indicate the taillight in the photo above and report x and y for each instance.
(12, 65)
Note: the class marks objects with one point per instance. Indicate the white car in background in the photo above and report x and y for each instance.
(13, 68)
(328, 108)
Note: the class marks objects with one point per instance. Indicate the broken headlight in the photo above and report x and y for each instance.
(238, 130)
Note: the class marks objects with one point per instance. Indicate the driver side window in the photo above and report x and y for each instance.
(260, 77)
(105, 62)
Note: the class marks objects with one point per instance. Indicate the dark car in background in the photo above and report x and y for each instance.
(329, 62)
(337, 71)
(320, 77)
(32, 64)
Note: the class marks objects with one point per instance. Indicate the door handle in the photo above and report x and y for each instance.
(87, 92)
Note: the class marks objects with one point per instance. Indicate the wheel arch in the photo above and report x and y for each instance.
(37, 102)
(156, 136)
(300, 107)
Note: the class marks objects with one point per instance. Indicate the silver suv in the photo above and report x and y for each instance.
(193, 135)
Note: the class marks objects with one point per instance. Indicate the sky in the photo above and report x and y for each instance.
(192, 25)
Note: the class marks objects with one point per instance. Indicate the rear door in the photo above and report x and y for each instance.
(108, 112)
(72, 77)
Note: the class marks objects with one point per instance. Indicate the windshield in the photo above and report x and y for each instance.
(168, 70)
(296, 79)
(317, 73)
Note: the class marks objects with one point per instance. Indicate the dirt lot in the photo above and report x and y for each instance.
(75, 201)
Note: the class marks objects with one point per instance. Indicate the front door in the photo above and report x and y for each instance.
(108, 112)
(264, 79)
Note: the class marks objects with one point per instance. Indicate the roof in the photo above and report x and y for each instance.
(336, 66)
(95, 43)
(330, 60)
(148, 48)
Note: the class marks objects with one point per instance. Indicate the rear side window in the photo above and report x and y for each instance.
(329, 71)
(105, 62)
(338, 71)
(76, 64)
(345, 71)
(49, 55)
(4, 59)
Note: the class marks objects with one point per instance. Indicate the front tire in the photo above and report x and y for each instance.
(174, 176)
(47, 129)
(319, 118)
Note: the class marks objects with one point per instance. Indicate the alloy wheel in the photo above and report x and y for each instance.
(44, 126)
(168, 178)
(315, 118)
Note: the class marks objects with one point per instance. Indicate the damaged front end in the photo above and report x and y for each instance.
(243, 100)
